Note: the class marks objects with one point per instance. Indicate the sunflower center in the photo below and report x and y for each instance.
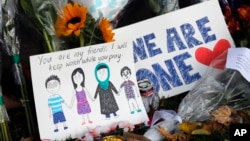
(74, 20)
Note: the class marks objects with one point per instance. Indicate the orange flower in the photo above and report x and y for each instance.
(73, 21)
(106, 30)
(244, 12)
(228, 12)
(233, 25)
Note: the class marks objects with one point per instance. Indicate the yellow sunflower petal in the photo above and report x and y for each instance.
(83, 13)
(74, 11)
(66, 11)
(67, 32)
(77, 32)
(70, 9)
(60, 28)
(72, 26)
(76, 7)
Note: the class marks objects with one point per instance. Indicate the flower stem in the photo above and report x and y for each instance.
(5, 132)
(81, 40)
(4, 128)
(48, 43)
(92, 36)
(25, 103)
(18, 73)
(45, 35)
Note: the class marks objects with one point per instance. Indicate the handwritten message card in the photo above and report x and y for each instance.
(80, 89)
(239, 59)
(174, 50)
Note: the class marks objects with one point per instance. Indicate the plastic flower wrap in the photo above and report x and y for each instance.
(10, 45)
(216, 88)
(66, 24)
(163, 6)
(40, 15)
(4, 118)
(104, 8)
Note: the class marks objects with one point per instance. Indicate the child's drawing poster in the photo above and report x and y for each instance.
(79, 89)
(174, 50)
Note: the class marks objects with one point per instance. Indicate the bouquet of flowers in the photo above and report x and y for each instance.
(10, 45)
(66, 24)
(238, 20)
(4, 118)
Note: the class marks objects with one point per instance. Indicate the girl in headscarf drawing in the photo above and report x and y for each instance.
(81, 93)
(105, 89)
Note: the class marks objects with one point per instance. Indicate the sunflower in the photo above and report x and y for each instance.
(73, 21)
(106, 30)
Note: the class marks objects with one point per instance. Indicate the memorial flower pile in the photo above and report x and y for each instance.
(66, 24)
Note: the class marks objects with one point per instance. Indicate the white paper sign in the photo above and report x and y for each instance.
(239, 59)
(174, 50)
(79, 89)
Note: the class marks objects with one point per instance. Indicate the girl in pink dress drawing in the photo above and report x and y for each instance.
(81, 94)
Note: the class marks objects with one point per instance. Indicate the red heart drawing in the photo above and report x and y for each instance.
(206, 56)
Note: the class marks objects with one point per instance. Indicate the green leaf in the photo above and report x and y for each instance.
(27, 6)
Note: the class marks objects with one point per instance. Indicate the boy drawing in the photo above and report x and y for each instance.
(129, 88)
(55, 101)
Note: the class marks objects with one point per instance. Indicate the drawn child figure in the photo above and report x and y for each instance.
(129, 88)
(55, 101)
(105, 89)
(80, 94)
